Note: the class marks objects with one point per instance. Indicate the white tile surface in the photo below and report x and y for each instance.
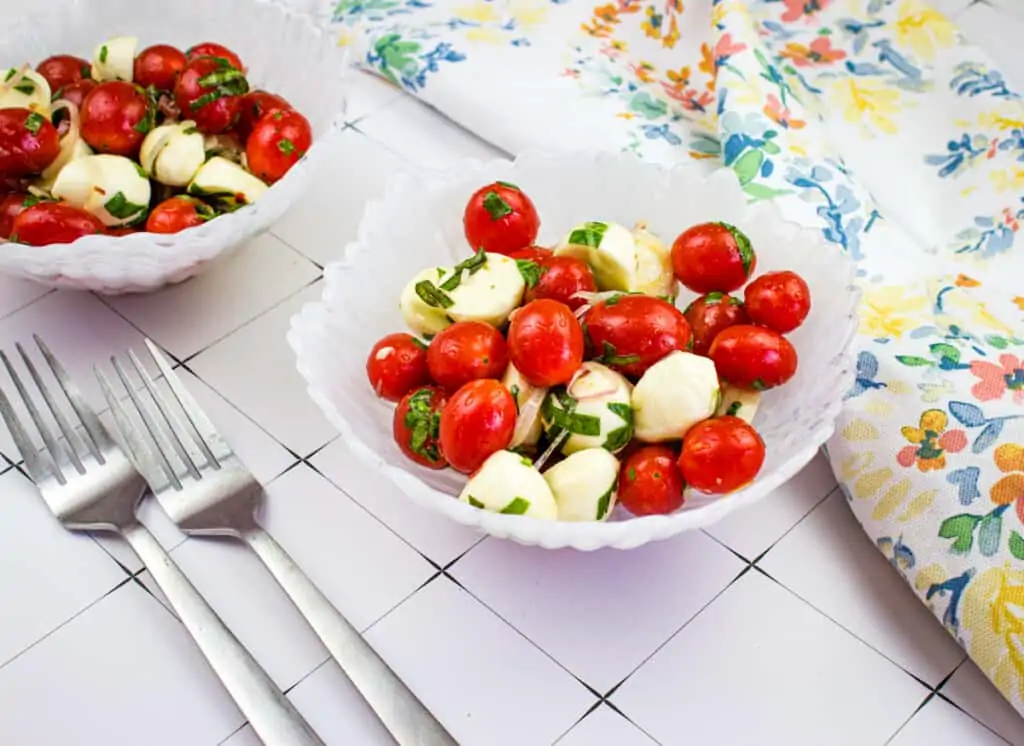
(975, 694)
(760, 661)
(603, 630)
(367, 93)
(15, 294)
(436, 537)
(447, 648)
(124, 674)
(830, 563)
(39, 593)
(254, 369)
(605, 727)
(941, 724)
(187, 318)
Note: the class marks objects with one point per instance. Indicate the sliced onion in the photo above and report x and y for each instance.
(529, 411)
(68, 143)
(551, 449)
(15, 79)
(599, 392)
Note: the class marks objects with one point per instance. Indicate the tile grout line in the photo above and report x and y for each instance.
(32, 302)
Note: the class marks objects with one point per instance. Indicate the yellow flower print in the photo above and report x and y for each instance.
(929, 442)
(528, 13)
(991, 612)
(887, 313)
(867, 103)
(485, 35)
(923, 29)
(1002, 117)
(477, 12)
(1019, 302)
(1007, 179)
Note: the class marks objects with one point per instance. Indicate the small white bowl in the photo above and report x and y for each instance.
(418, 224)
(285, 54)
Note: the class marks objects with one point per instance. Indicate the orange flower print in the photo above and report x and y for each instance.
(1009, 458)
(996, 380)
(930, 441)
(779, 114)
(797, 9)
(644, 71)
(690, 98)
(963, 281)
(1019, 302)
(819, 53)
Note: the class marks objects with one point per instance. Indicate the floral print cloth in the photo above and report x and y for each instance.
(872, 120)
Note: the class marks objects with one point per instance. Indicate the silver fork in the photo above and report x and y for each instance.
(207, 490)
(90, 484)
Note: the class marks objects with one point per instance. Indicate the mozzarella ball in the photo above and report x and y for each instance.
(172, 154)
(594, 408)
(489, 293)
(738, 402)
(654, 273)
(219, 177)
(420, 316)
(114, 59)
(508, 483)
(111, 187)
(584, 485)
(674, 394)
(608, 248)
(25, 90)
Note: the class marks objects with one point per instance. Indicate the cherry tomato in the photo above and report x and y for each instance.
(124, 230)
(209, 92)
(721, 455)
(630, 333)
(256, 105)
(558, 278)
(713, 257)
(210, 49)
(500, 218)
(417, 425)
(28, 142)
(116, 117)
(159, 66)
(63, 69)
(531, 253)
(478, 421)
(545, 342)
(466, 351)
(753, 357)
(396, 365)
(178, 213)
(778, 300)
(650, 482)
(710, 314)
(75, 92)
(11, 206)
(277, 143)
(53, 222)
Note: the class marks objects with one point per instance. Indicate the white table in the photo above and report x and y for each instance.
(780, 626)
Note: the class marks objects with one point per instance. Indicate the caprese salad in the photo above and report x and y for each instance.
(155, 140)
(565, 381)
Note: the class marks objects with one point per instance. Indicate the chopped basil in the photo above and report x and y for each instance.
(588, 234)
(424, 425)
(605, 502)
(742, 245)
(148, 122)
(86, 72)
(631, 475)
(515, 396)
(717, 401)
(619, 438)
(559, 409)
(496, 207)
(475, 503)
(220, 77)
(734, 301)
(286, 146)
(613, 301)
(140, 170)
(419, 343)
(119, 207)
(531, 271)
(758, 385)
(26, 86)
(57, 95)
(733, 409)
(714, 298)
(190, 130)
(525, 460)
(610, 356)
(432, 295)
(10, 74)
(473, 265)
(33, 122)
(103, 54)
(509, 185)
(224, 82)
(518, 506)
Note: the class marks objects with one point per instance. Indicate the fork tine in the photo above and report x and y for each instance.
(97, 438)
(44, 430)
(37, 465)
(70, 438)
(139, 451)
(203, 431)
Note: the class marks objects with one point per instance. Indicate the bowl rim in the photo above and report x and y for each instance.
(623, 534)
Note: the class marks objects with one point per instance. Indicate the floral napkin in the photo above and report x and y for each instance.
(872, 120)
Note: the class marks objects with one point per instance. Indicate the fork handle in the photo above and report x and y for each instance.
(401, 712)
(271, 715)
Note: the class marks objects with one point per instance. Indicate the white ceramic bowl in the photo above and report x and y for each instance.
(418, 224)
(285, 54)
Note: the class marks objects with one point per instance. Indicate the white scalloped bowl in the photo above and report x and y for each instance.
(285, 53)
(419, 224)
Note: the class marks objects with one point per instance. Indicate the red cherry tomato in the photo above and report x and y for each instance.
(753, 357)
(710, 314)
(721, 455)
(545, 342)
(11, 206)
(255, 106)
(558, 278)
(650, 482)
(159, 66)
(76, 92)
(478, 421)
(116, 117)
(277, 143)
(28, 142)
(210, 49)
(630, 333)
(778, 300)
(63, 69)
(124, 230)
(178, 213)
(396, 365)
(53, 222)
(500, 218)
(209, 92)
(531, 253)
(713, 257)
(466, 351)
(416, 426)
